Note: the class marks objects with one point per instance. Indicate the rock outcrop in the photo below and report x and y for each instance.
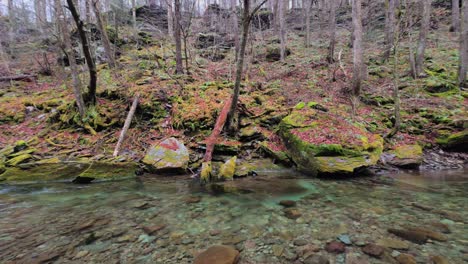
(170, 155)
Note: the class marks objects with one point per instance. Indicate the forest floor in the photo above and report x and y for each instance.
(42, 112)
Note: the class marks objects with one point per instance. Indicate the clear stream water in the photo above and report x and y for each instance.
(171, 219)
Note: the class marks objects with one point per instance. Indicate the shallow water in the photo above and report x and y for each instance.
(109, 222)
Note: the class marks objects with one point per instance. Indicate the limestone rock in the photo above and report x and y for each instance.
(168, 156)
(218, 255)
(405, 156)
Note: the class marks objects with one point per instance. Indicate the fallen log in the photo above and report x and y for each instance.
(27, 78)
(127, 123)
(205, 173)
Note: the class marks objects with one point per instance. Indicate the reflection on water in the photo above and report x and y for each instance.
(168, 220)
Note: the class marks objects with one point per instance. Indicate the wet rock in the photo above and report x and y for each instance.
(277, 250)
(410, 235)
(168, 156)
(215, 232)
(441, 227)
(292, 213)
(406, 259)
(315, 149)
(153, 229)
(393, 243)
(345, 239)
(439, 260)
(287, 203)
(455, 142)
(317, 259)
(140, 205)
(193, 199)
(300, 242)
(226, 171)
(429, 233)
(83, 180)
(81, 254)
(405, 156)
(218, 255)
(373, 250)
(335, 247)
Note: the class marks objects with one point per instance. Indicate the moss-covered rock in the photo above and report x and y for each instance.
(323, 143)
(226, 171)
(168, 156)
(456, 141)
(405, 156)
(276, 150)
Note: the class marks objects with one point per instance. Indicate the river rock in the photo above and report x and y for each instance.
(319, 142)
(227, 170)
(335, 247)
(405, 156)
(287, 203)
(429, 233)
(218, 255)
(406, 259)
(168, 156)
(292, 213)
(456, 142)
(393, 243)
(373, 250)
(439, 260)
(317, 259)
(410, 235)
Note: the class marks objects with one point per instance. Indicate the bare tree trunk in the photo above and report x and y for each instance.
(389, 27)
(357, 47)
(426, 17)
(40, 13)
(90, 97)
(235, 24)
(87, 11)
(308, 11)
(105, 39)
(276, 17)
(463, 65)
(71, 57)
(170, 18)
(177, 20)
(332, 25)
(134, 14)
(282, 8)
(455, 27)
(127, 123)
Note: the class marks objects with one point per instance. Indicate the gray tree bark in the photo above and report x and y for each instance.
(61, 20)
(282, 8)
(357, 46)
(308, 11)
(332, 29)
(389, 27)
(426, 13)
(463, 64)
(455, 27)
(170, 18)
(104, 37)
(178, 43)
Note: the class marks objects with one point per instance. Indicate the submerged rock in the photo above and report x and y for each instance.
(335, 247)
(405, 156)
(393, 243)
(218, 255)
(406, 259)
(410, 235)
(319, 142)
(168, 156)
(373, 250)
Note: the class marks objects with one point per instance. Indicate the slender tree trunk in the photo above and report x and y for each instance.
(90, 97)
(308, 11)
(332, 26)
(463, 65)
(389, 27)
(127, 123)
(71, 57)
(170, 18)
(426, 13)
(87, 11)
(134, 14)
(104, 37)
(232, 116)
(177, 20)
(276, 17)
(455, 27)
(235, 25)
(282, 8)
(357, 47)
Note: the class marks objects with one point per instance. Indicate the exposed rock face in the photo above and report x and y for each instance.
(456, 142)
(168, 156)
(319, 142)
(405, 156)
(218, 255)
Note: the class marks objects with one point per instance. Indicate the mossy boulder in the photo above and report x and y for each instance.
(405, 156)
(226, 171)
(276, 150)
(455, 142)
(170, 155)
(321, 143)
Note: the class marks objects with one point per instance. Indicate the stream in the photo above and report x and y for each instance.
(171, 219)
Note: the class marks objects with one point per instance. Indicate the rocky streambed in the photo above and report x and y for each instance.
(275, 217)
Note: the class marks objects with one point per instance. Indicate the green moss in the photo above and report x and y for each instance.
(18, 160)
(407, 151)
(455, 141)
(226, 171)
(300, 106)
